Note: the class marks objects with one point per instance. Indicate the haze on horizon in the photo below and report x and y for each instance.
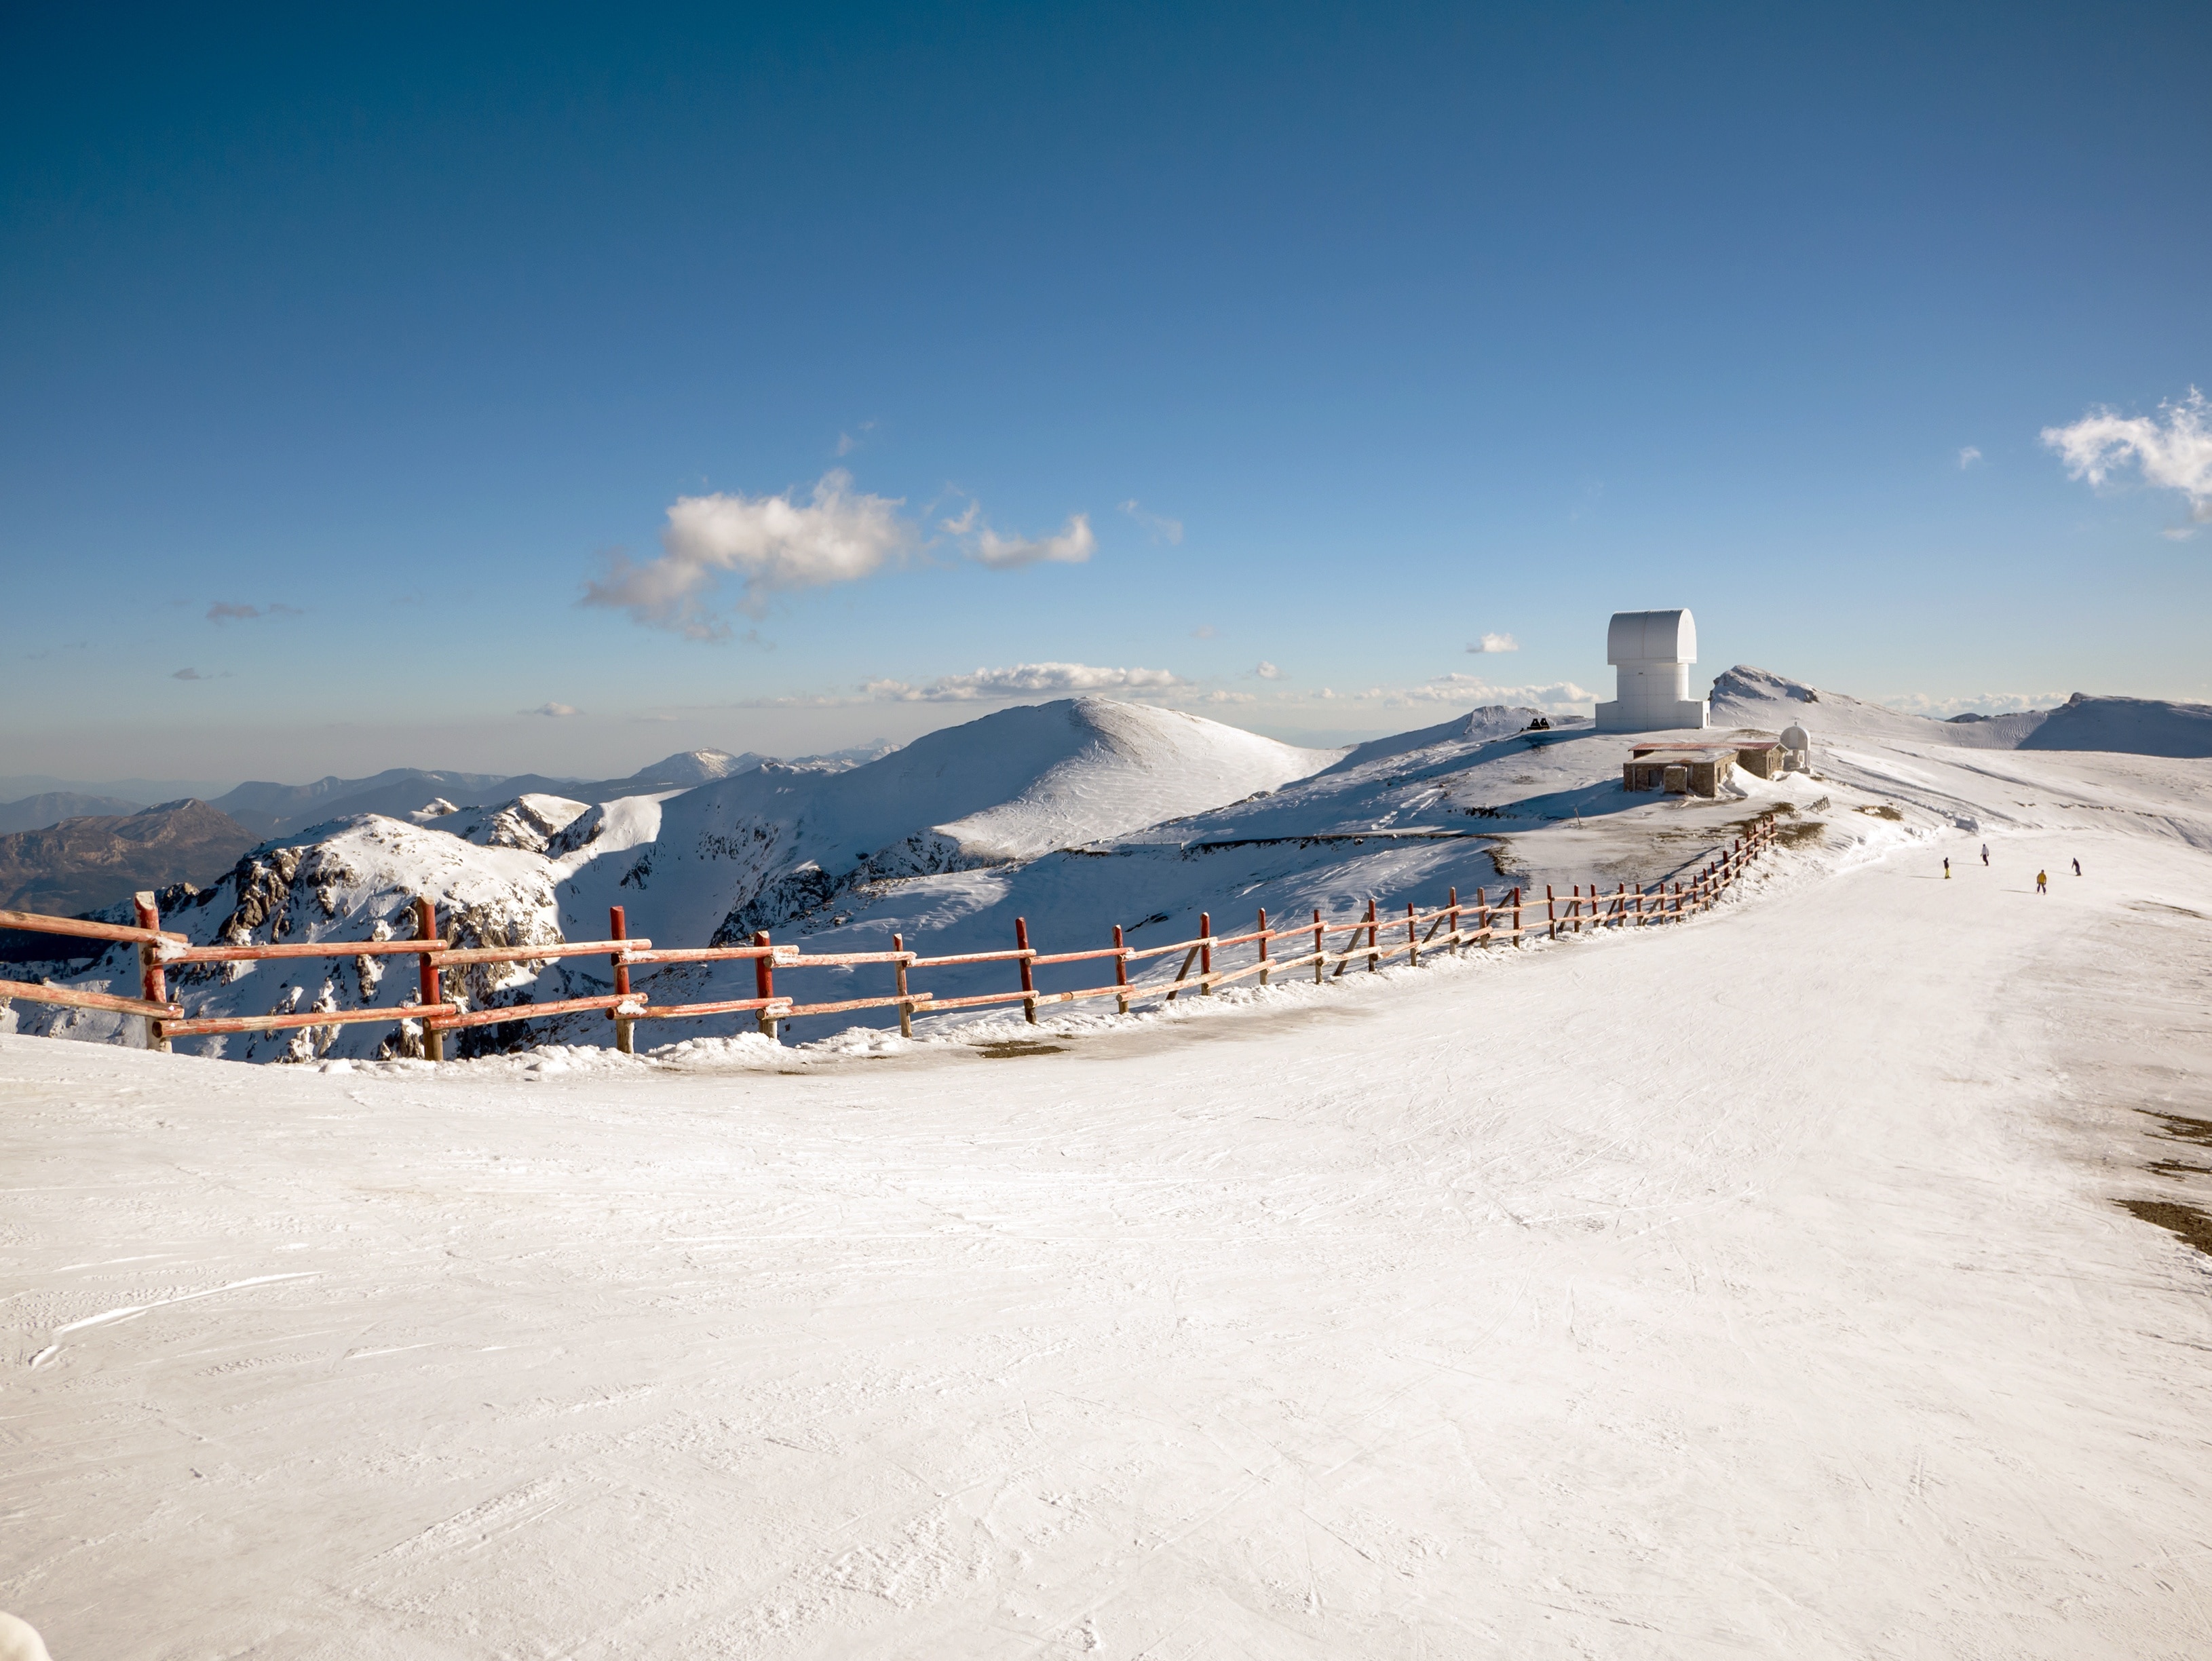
(551, 398)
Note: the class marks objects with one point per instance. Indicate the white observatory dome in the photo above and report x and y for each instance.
(1652, 652)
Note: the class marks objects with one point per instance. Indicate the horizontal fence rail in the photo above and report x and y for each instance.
(1326, 947)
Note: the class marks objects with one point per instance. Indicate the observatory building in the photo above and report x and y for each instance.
(1653, 652)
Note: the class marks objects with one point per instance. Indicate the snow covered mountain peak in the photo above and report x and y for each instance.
(689, 767)
(756, 850)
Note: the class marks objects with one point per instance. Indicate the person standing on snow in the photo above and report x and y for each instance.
(1946, 869)
(1986, 853)
(2041, 878)
(2078, 868)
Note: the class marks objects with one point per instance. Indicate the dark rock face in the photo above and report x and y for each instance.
(82, 864)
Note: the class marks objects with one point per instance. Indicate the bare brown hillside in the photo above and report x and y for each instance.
(81, 864)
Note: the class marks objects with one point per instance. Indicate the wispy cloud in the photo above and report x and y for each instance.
(1553, 696)
(1073, 545)
(1204, 632)
(1159, 526)
(226, 611)
(555, 710)
(194, 674)
(847, 443)
(1968, 457)
(769, 545)
(2173, 451)
(1466, 692)
(1266, 671)
(1022, 680)
(1496, 643)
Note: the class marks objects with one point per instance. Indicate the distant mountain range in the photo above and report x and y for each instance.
(269, 809)
(64, 851)
(52, 806)
(83, 863)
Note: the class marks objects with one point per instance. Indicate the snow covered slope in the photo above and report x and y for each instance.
(2139, 726)
(1760, 1287)
(530, 821)
(779, 842)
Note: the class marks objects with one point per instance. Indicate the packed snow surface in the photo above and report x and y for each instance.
(1755, 1286)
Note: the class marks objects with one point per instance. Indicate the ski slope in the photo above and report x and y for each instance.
(1755, 1286)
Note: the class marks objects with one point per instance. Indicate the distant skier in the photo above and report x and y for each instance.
(2041, 878)
(1986, 853)
(1947, 870)
(2078, 868)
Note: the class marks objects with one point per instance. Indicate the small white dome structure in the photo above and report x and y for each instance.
(1797, 750)
(1652, 651)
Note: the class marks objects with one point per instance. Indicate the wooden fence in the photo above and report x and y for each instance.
(1327, 948)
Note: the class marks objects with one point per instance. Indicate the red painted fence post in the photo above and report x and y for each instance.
(1120, 972)
(1374, 962)
(1412, 936)
(898, 976)
(1321, 947)
(1551, 910)
(1264, 970)
(625, 1043)
(1029, 979)
(1517, 916)
(765, 981)
(1455, 941)
(1206, 953)
(153, 979)
(426, 929)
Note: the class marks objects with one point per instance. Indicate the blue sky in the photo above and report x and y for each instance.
(1399, 327)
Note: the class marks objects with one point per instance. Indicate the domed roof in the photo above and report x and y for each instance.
(1794, 736)
(1652, 637)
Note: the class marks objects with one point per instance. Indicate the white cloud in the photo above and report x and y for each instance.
(1268, 671)
(1222, 695)
(1074, 545)
(1159, 526)
(1204, 632)
(1553, 698)
(1022, 680)
(555, 711)
(770, 543)
(226, 611)
(2173, 454)
(1496, 643)
(1968, 457)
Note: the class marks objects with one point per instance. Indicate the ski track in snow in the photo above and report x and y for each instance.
(1753, 1286)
